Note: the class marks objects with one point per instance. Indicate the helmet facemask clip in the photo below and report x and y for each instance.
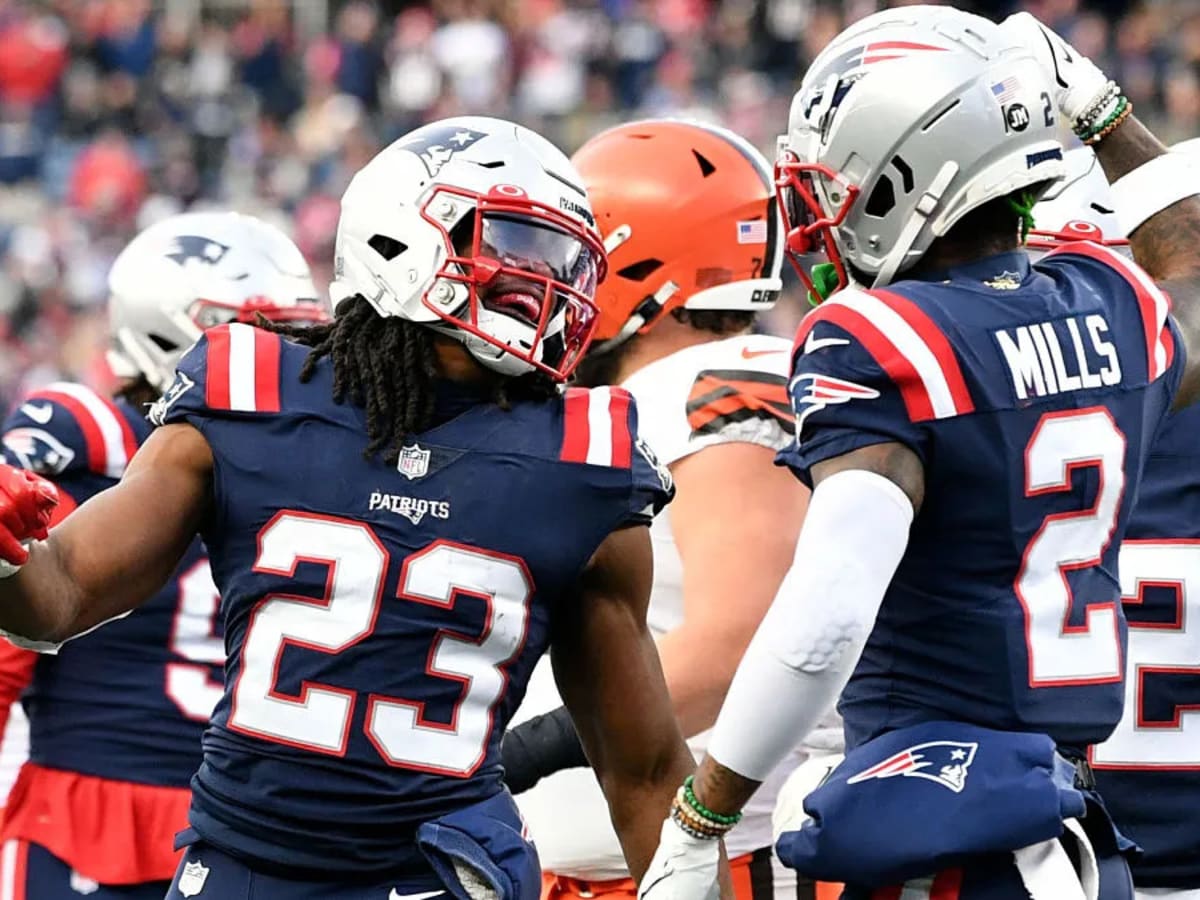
(808, 227)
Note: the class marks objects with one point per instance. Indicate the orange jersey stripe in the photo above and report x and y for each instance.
(722, 397)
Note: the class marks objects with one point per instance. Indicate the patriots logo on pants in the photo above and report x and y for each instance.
(822, 391)
(945, 762)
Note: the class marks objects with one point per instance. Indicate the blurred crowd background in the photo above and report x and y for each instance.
(115, 113)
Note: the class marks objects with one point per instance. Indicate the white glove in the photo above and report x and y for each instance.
(1077, 82)
(683, 868)
(789, 812)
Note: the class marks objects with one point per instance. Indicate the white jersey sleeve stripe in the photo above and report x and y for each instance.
(241, 368)
(102, 416)
(600, 444)
(909, 344)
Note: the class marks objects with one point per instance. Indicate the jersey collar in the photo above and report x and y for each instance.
(1002, 271)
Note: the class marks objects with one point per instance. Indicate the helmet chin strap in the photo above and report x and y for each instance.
(646, 310)
(142, 361)
(924, 209)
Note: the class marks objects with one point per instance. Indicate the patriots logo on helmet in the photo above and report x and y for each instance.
(812, 392)
(944, 762)
(185, 247)
(851, 64)
(437, 145)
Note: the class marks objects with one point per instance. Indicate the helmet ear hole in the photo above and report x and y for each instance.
(387, 247)
(641, 270)
(882, 199)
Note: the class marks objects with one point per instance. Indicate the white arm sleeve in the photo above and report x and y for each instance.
(809, 642)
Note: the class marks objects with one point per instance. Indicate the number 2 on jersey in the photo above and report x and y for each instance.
(1160, 648)
(319, 718)
(1062, 653)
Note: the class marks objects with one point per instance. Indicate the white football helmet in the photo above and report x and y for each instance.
(1082, 206)
(193, 271)
(1078, 208)
(904, 123)
(481, 229)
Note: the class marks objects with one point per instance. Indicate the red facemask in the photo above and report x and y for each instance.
(526, 260)
(808, 228)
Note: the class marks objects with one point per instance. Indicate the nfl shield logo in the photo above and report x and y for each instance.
(191, 882)
(414, 462)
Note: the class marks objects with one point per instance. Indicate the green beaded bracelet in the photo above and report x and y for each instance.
(1095, 130)
(694, 803)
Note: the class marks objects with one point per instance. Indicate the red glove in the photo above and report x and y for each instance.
(26, 504)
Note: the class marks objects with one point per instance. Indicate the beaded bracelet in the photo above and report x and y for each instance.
(1087, 120)
(1123, 111)
(689, 795)
(685, 815)
(691, 831)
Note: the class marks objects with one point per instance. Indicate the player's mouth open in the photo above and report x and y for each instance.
(515, 301)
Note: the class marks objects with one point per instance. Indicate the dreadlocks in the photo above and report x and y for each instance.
(389, 368)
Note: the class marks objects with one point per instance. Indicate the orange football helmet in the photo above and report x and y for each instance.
(688, 216)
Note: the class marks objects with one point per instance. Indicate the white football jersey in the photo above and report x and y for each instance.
(727, 391)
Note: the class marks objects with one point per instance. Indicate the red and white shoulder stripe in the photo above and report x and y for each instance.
(107, 434)
(1153, 303)
(242, 369)
(906, 343)
(596, 427)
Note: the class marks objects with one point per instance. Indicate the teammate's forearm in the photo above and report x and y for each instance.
(39, 602)
(1167, 244)
(721, 789)
(539, 747)
(639, 803)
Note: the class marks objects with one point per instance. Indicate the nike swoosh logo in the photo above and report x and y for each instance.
(394, 896)
(755, 354)
(813, 344)
(1054, 58)
(40, 414)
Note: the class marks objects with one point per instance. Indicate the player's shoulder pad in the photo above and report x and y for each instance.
(233, 369)
(859, 342)
(1153, 305)
(600, 429)
(65, 428)
(739, 392)
(723, 391)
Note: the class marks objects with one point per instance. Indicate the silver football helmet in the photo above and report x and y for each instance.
(194, 271)
(482, 230)
(907, 121)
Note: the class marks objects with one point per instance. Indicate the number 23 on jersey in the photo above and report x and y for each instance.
(319, 718)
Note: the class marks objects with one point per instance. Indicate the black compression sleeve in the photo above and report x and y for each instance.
(539, 747)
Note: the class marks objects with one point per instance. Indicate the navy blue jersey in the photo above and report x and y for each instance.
(382, 620)
(1031, 396)
(129, 701)
(1149, 769)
